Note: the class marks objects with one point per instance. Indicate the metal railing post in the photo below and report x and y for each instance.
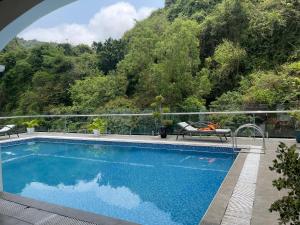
(253, 119)
(65, 125)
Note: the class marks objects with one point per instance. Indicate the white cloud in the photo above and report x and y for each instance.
(111, 21)
(73, 33)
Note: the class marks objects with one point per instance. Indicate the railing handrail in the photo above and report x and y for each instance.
(249, 125)
(151, 114)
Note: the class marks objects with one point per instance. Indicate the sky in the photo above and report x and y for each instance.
(86, 21)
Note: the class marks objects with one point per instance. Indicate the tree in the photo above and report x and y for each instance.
(29, 103)
(110, 53)
(141, 55)
(94, 92)
(287, 165)
(228, 63)
(270, 88)
(120, 125)
(176, 65)
(82, 49)
(273, 33)
(195, 9)
(225, 54)
(193, 104)
(168, 3)
(43, 54)
(230, 101)
(11, 89)
(229, 20)
(84, 66)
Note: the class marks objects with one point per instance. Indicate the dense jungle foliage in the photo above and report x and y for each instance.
(197, 54)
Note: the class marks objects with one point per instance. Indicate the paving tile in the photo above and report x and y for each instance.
(61, 220)
(7, 220)
(8, 208)
(34, 216)
(232, 220)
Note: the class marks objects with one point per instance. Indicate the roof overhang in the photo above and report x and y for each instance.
(16, 15)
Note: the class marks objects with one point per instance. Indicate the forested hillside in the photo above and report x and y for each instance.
(197, 54)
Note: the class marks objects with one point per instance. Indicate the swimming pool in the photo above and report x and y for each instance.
(148, 184)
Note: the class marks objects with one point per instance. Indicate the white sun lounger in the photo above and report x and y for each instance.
(7, 130)
(188, 129)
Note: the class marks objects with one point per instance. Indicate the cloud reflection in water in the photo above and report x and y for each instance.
(119, 202)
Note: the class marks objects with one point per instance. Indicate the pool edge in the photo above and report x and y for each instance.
(64, 211)
(217, 208)
(224, 191)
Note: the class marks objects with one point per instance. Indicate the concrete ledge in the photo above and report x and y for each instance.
(64, 211)
(217, 208)
(8, 220)
(171, 140)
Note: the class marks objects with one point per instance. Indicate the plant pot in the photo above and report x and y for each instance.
(30, 130)
(163, 132)
(297, 133)
(96, 132)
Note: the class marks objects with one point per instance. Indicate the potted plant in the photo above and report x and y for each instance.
(166, 126)
(159, 110)
(30, 125)
(296, 117)
(98, 126)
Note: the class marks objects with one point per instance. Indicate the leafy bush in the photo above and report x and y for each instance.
(296, 119)
(193, 104)
(98, 124)
(287, 165)
(32, 123)
(120, 124)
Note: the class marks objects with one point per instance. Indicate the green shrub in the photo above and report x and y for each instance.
(287, 164)
(98, 124)
(32, 123)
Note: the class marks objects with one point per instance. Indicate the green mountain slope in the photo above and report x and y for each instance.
(218, 54)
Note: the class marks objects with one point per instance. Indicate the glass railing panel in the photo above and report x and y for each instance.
(275, 124)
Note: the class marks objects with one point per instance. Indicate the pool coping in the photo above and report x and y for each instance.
(213, 216)
(64, 211)
(217, 208)
(128, 140)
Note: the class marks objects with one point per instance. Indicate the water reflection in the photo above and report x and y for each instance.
(93, 196)
(147, 186)
(8, 153)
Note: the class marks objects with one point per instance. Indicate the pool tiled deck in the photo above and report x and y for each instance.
(27, 211)
(244, 197)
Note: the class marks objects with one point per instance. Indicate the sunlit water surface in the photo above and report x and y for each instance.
(151, 185)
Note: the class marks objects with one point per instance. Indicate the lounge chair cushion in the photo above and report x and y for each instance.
(187, 127)
(209, 127)
(190, 128)
(223, 131)
(7, 128)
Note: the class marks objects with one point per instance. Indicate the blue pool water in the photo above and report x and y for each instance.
(143, 183)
